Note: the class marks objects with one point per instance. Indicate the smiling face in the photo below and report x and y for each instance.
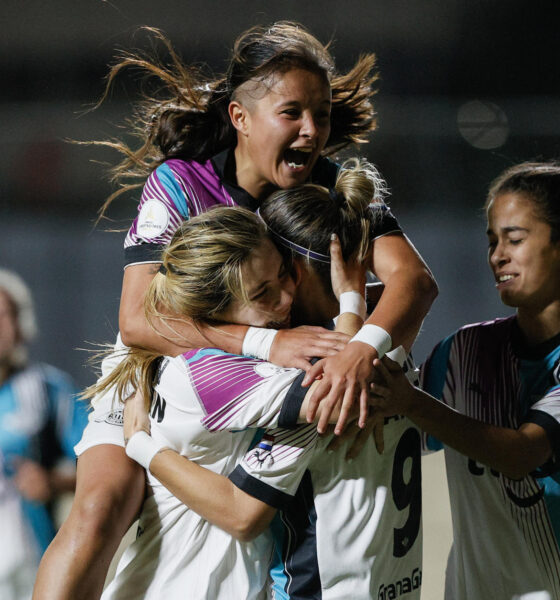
(283, 125)
(525, 263)
(269, 289)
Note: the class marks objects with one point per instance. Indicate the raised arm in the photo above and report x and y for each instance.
(409, 290)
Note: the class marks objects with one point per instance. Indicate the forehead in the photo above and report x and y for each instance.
(292, 85)
(263, 262)
(510, 209)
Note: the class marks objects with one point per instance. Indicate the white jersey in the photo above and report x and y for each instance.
(506, 533)
(206, 406)
(354, 529)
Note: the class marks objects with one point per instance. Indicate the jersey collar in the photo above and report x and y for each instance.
(224, 164)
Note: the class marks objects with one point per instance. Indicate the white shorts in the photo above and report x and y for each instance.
(105, 421)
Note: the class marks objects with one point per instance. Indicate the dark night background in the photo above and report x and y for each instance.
(441, 62)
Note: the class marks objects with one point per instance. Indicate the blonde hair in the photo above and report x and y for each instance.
(202, 275)
(307, 215)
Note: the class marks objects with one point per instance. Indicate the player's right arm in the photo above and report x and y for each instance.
(164, 204)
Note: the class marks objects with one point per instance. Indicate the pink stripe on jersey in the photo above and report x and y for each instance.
(223, 384)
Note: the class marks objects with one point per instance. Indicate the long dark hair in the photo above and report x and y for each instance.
(189, 117)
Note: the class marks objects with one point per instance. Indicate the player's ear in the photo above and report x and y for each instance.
(239, 116)
(297, 271)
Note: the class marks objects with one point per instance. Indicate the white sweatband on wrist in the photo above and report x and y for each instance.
(398, 355)
(353, 302)
(376, 337)
(142, 448)
(258, 342)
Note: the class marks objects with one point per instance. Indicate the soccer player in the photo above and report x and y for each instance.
(353, 529)
(497, 411)
(177, 552)
(40, 421)
(228, 141)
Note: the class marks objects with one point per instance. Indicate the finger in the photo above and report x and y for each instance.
(347, 403)
(382, 370)
(302, 363)
(391, 365)
(317, 396)
(379, 390)
(378, 437)
(327, 406)
(313, 373)
(364, 408)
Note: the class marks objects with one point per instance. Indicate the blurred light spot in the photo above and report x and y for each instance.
(483, 125)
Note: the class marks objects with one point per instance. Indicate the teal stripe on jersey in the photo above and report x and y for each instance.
(277, 572)
(433, 380)
(552, 498)
(172, 187)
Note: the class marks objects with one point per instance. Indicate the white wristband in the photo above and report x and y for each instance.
(142, 448)
(398, 355)
(258, 342)
(353, 302)
(376, 337)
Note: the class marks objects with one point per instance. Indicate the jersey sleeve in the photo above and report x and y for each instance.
(272, 471)
(383, 221)
(163, 206)
(436, 379)
(237, 392)
(545, 412)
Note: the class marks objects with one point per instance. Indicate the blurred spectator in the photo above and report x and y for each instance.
(40, 421)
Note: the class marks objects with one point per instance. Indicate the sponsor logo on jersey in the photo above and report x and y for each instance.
(397, 589)
(152, 220)
(115, 417)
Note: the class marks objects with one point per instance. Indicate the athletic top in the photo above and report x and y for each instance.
(40, 420)
(354, 529)
(207, 405)
(506, 533)
(178, 190)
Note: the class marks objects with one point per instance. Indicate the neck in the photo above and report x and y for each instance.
(246, 177)
(539, 325)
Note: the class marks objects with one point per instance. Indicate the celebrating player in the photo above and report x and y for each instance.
(499, 410)
(338, 503)
(228, 141)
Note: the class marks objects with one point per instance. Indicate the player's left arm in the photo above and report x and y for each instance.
(513, 452)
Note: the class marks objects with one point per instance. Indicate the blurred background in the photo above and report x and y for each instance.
(467, 88)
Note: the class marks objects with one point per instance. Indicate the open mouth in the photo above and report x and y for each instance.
(502, 280)
(297, 158)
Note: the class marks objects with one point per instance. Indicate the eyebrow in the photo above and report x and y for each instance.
(508, 229)
(257, 291)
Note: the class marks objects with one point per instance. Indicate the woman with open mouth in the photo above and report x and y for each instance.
(268, 123)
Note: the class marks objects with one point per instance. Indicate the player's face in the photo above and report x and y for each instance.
(526, 264)
(8, 327)
(285, 129)
(269, 288)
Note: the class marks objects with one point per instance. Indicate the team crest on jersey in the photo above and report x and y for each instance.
(263, 451)
(152, 220)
